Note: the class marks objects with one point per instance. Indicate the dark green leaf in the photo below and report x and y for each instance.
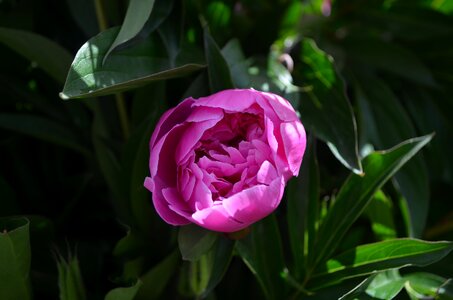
(303, 211)
(125, 69)
(262, 252)
(368, 258)
(48, 55)
(384, 285)
(325, 108)
(218, 70)
(380, 213)
(70, 279)
(156, 279)
(42, 128)
(14, 259)
(137, 14)
(195, 241)
(124, 293)
(237, 63)
(385, 123)
(357, 191)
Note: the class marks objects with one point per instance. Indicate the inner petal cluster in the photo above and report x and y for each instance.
(231, 156)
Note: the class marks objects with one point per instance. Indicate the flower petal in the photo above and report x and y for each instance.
(267, 173)
(255, 203)
(216, 218)
(294, 140)
(237, 100)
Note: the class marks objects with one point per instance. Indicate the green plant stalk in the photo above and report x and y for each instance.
(119, 98)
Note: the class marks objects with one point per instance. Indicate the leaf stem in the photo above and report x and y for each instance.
(119, 97)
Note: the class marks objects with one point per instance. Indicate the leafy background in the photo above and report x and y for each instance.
(83, 82)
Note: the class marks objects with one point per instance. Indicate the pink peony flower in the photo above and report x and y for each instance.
(222, 161)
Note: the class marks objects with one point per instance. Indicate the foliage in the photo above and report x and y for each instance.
(367, 218)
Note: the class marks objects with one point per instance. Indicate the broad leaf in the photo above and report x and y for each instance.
(218, 70)
(426, 285)
(303, 210)
(325, 108)
(44, 51)
(124, 293)
(237, 63)
(380, 213)
(137, 14)
(262, 252)
(357, 191)
(368, 258)
(384, 285)
(385, 123)
(14, 259)
(195, 241)
(125, 69)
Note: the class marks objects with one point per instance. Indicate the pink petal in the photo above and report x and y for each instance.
(216, 218)
(267, 173)
(170, 118)
(237, 100)
(281, 106)
(255, 203)
(164, 211)
(294, 140)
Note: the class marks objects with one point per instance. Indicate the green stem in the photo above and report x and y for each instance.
(120, 103)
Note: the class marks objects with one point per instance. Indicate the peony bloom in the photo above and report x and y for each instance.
(222, 161)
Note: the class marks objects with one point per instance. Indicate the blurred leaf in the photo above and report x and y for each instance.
(383, 285)
(368, 258)
(195, 241)
(325, 108)
(426, 285)
(262, 252)
(218, 70)
(70, 280)
(124, 293)
(372, 52)
(303, 210)
(125, 69)
(14, 259)
(42, 128)
(380, 213)
(357, 191)
(385, 122)
(83, 12)
(220, 258)
(9, 202)
(43, 52)
(237, 63)
(137, 14)
(156, 279)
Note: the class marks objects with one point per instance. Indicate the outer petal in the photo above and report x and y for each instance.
(237, 100)
(162, 206)
(294, 140)
(216, 218)
(170, 118)
(266, 173)
(282, 107)
(255, 203)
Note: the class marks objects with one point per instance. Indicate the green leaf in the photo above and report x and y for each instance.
(42, 128)
(70, 280)
(125, 69)
(357, 191)
(383, 285)
(380, 213)
(262, 252)
(218, 70)
(368, 258)
(14, 259)
(156, 279)
(385, 123)
(44, 51)
(137, 14)
(235, 58)
(303, 210)
(220, 258)
(124, 293)
(195, 241)
(426, 285)
(325, 108)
